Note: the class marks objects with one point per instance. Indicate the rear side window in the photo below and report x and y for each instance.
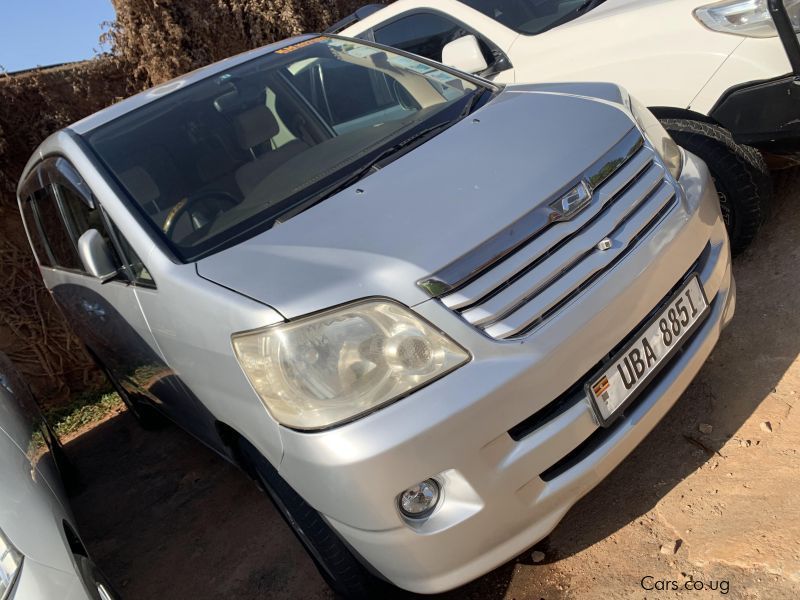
(425, 34)
(32, 225)
(343, 92)
(57, 237)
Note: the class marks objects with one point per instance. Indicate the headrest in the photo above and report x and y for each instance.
(140, 185)
(255, 126)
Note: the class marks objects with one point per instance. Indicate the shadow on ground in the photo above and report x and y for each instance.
(165, 517)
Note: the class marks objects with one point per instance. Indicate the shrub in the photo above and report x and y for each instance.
(32, 331)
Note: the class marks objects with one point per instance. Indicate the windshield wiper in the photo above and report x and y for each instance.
(471, 102)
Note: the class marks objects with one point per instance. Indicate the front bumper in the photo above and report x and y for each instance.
(503, 493)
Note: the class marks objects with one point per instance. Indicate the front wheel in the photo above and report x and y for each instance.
(740, 175)
(338, 566)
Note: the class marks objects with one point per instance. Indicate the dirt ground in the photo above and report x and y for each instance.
(718, 479)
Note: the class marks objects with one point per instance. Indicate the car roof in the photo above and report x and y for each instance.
(146, 97)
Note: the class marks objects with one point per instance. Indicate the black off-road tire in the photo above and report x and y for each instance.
(740, 174)
(342, 571)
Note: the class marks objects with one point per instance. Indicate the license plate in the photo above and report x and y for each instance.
(629, 372)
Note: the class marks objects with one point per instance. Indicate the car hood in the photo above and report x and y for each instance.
(429, 207)
(655, 48)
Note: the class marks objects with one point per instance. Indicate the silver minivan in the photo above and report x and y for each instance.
(425, 312)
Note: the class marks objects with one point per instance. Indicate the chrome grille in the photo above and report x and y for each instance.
(509, 295)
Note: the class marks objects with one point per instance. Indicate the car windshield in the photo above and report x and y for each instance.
(227, 157)
(531, 17)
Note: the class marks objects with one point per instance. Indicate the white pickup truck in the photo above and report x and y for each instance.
(719, 76)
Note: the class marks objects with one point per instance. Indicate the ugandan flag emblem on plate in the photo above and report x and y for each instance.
(600, 388)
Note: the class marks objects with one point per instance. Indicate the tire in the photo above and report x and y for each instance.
(740, 174)
(342, 571)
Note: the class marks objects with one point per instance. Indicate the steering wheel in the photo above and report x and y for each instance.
(219, 202)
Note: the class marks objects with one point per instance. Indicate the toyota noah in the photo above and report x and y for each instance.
(427, 313)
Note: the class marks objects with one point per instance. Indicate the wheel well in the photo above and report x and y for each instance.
(670, 112)
(75, 544)
(230, 438)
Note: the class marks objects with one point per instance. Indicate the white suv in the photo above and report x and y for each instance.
(717, 75)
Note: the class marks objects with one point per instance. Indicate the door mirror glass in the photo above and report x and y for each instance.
(465, 55)
(96, 255)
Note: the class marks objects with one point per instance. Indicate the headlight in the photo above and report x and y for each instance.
(654, 131)
(750, 18)
(10, 562)
(333, 366)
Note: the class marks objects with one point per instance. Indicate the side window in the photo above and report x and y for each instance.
(141, 275)
(344, 93)
(81, 217)
(35, 233)
(425, 34)
(59, 214)
(56, 236)
(353, 91)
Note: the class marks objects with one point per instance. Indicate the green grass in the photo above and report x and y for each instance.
(82, 410)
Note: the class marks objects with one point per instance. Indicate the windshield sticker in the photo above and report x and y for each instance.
(444, 77)
(411, 64)
(300, 45)
(361, 51)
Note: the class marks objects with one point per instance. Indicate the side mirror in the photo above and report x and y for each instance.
(96, 256)
(465, 55)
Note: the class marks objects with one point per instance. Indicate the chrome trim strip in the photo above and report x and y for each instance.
(555, 242)
(531, 224)
(529, 316)
(521, 291)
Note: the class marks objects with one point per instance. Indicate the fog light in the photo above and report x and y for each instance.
(419, 501)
